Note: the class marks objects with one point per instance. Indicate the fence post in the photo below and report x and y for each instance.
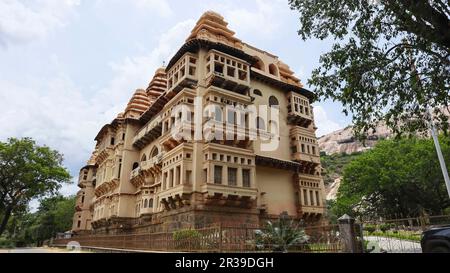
(220, 237)
(347, 233)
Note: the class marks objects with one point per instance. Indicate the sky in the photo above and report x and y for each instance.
(69, 66)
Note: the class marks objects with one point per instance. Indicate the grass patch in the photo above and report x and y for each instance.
(399, 234)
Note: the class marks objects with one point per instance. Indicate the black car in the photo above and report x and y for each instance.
(436, 240)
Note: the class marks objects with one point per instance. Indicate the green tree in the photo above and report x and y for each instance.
(54, 215)
(397, 178)
(27, 171)
(389, 62)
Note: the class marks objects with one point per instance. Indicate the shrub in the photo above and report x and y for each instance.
(385, 227)
(187, 238)
(370, 228)
(6, 243)
(280, 236)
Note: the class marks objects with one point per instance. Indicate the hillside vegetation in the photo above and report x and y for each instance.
(333, 165)
(395, 179)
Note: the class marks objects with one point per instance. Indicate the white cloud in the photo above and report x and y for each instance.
(55, 112)
(24, 21)
(324, 124)
(159, 8)
(260, 19)
(135, 72)
(162, 7)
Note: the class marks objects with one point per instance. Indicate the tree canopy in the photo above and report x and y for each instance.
(390, 60)
(397, 178)
(27, 171)
(53, 215)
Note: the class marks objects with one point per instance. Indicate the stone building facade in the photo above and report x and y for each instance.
(185, 154)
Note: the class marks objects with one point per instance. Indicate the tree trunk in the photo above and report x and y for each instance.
(5, 219)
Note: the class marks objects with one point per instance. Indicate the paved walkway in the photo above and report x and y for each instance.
(393, 245)
(37, 250)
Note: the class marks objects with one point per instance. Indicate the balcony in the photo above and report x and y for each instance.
(183, 130)
(156, 160)
(134, 173)
(306, 157)
(153, 165)
(310, 193)
(300, 112)
(104, 150)
(304, 148)
(227, 72)
(176, 197)
(151, 131)
(230, 196)
(106, 187)
(136, 177)
(311, 210)
(182, 74)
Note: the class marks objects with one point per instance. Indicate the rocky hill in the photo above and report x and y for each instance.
(343, 141)
(340, 147)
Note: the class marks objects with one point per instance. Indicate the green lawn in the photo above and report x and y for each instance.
(399, 234)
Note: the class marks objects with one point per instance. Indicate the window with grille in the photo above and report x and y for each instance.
(232, 176)
(246, 178)
(217, 174)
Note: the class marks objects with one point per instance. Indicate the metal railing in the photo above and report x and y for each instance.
(217, 238)
(399, 235)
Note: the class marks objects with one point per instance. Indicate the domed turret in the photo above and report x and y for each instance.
(93, 157)
(157, 85)
(137, 104)
(287, 75)
(212, 26)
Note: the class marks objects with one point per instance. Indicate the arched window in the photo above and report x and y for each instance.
(150, 203)
(260, 124)
(154, 152)
(257, 92)
(144, 158)
(217, 113)
(273, 69)
(273, 101)
(145, 203)
(273, 126)
(135, 165)
(259, 64)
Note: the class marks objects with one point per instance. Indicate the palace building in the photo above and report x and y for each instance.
(146, 175)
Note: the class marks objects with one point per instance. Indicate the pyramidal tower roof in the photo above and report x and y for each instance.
(93, 157)
(137, 105)
(212, 26)
(157, 85)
